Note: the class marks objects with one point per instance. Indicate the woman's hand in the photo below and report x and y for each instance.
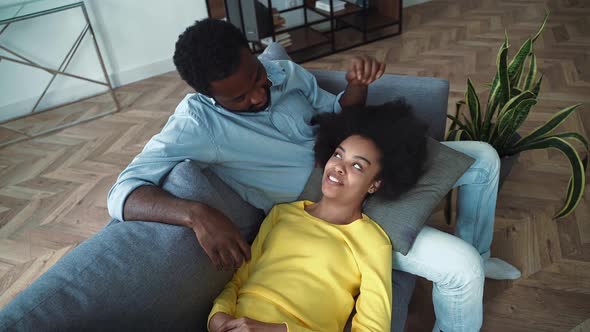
(245, 324)
(217, 321)
(364, 70)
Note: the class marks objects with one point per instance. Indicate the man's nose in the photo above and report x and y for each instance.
(258, 96)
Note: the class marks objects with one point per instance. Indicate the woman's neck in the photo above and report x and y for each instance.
(335, 212)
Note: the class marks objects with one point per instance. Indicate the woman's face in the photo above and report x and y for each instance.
(352, 170)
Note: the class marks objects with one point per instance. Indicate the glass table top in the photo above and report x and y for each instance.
(14, 10)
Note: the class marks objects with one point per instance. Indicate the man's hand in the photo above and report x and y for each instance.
(364, 70)
(219, 237)
(245, 324)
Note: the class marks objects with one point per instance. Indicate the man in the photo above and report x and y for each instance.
(249, 124)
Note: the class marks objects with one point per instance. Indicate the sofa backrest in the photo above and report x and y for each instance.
(427, 95)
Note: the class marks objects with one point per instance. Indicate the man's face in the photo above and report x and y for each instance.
(247, 90)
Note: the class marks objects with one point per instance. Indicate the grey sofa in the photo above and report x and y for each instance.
(151, 276)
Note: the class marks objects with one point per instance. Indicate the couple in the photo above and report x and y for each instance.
(250, 124)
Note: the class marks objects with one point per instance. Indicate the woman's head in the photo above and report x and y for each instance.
(369, 149)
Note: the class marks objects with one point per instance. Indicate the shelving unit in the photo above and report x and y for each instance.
(321, 32)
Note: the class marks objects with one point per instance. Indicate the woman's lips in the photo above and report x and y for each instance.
(333, 179)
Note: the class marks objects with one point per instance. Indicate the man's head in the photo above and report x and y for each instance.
(374, 148)
(213, 57)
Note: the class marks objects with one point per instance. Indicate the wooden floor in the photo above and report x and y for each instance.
(53, 187)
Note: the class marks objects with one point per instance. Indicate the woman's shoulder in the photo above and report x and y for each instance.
(374, 232)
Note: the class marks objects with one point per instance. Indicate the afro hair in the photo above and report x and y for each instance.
(396, 131)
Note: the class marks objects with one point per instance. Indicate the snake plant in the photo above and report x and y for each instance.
(513, 93)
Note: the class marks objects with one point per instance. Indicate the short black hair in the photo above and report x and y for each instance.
(207, 51)
(396, 131)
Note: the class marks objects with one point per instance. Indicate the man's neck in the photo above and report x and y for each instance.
(334, 212)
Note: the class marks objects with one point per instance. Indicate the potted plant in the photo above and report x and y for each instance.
(513, 93)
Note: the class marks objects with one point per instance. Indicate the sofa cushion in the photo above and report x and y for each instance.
(404, 217)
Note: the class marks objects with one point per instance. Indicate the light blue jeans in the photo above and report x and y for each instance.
(454, 263)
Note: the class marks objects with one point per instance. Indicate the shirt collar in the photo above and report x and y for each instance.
(275, 73)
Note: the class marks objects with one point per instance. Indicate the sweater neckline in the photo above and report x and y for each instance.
(305, 203)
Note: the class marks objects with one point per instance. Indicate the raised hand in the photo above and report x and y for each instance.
(364, 70)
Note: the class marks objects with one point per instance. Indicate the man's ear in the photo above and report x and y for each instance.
(374, 187)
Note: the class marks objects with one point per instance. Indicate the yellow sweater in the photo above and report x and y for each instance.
(306, 272)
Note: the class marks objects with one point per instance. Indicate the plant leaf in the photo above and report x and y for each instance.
(570, 187)
(513, 102)
(474, 107)
(549, 126)
(511, 121)
(542, 26)
(495, 91)
(469, 125)
(457, 110)
(574, 136)
(457, 135)
(578, 179)
(504, 79)
(456, 122)
(516, 66)
(530, 78)
(537, 87)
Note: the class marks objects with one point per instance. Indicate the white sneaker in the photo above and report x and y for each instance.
(498, 269)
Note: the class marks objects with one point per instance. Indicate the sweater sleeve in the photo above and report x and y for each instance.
(227, 300)
(373, 305)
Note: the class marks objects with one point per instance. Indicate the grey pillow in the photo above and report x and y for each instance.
(404, 217)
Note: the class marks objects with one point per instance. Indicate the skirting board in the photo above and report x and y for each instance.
(82, 90)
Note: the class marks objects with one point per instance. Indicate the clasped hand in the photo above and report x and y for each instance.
(222, 322)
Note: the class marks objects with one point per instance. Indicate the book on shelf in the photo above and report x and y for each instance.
(282, 38)
(337, 5)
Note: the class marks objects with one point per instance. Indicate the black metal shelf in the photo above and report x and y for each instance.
(342, 30)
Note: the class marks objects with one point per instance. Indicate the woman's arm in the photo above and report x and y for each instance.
(373, 305)
(227, 300)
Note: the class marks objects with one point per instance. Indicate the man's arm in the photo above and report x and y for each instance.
(136, 195)
(362, 72)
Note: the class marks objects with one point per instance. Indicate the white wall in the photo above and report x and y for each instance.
(136, 38)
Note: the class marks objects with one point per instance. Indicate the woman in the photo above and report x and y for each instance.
(311, 262)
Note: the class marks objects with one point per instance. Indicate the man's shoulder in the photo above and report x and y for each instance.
(193, 105)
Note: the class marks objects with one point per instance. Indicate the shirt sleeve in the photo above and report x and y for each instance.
(226, 301)
(373, 305)
(320, 99)
(183, 137)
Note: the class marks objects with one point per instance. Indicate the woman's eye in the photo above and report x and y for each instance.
(337, 155)
(358, 166)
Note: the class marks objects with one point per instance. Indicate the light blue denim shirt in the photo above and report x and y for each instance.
(266, 157)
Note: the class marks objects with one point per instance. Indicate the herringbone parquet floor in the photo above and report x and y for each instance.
(53, 187)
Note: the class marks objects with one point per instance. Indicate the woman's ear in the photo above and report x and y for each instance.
(374, 187)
